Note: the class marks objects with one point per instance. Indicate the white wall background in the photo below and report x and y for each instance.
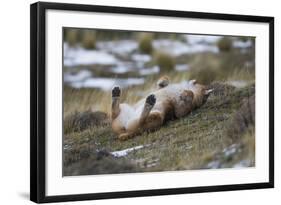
(14, 100)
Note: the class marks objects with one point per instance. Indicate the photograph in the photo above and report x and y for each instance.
(139, 101)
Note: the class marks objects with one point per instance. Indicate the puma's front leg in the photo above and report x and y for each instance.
(115, 109)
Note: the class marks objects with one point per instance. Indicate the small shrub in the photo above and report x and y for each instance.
(224, 44)
(89, 39)
(145, 43)
(165, 61)
(98, 163)
(204, 76)
(71, 36)
(205, 68)
(84, 120)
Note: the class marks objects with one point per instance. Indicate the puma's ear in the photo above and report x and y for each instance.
(207, 92)
(193, 82)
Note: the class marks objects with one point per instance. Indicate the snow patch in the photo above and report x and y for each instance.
(141, 58)
(80, 76)
(125, 152)
(242, 44)
(149, 71)
(182, 67)
(198, 39)
(107, 83)
(118, 47)
(177, 48)
(122, 67)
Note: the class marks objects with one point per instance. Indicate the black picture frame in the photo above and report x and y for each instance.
(38, 100)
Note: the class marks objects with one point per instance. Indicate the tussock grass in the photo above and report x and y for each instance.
(204, 68)
(224, 44)
(165, 61)
(145, 43)
(85, 120)
(89, 39)
(71, 36)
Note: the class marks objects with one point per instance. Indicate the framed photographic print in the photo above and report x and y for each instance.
(129, 102)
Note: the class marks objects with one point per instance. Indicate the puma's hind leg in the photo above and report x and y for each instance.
(154, 120)
(115, 106)
(125, 136)
(183, 105)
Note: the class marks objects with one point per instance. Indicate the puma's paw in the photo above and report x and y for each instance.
(124, 136)
(116, 91)
(151, 100)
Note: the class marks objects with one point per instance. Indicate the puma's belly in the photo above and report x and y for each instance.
(127, 113)
(171, 92)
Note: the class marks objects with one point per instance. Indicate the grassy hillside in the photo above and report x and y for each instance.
(220, 134)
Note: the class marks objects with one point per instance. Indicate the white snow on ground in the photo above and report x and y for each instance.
(141, 58)
(119, 69)
(231, 150)
(119, 47)
(177, 48)
(149, 71)
(107, 83)
(122, 67)
(79, 56)
(181, 67)
(125, 152)
(242, 44)
(197, 39)
(199, 48)
(104, 54)
(80, 76)
(103, 83)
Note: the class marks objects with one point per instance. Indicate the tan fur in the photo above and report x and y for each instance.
(166, 103)
(163, 81)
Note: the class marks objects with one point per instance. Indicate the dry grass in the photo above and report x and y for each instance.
(207, 67)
